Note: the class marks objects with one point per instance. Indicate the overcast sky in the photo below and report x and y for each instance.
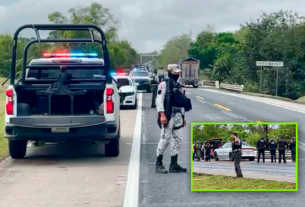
(148, 24)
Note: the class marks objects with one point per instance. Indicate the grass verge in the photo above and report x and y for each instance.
(3, 141)
(220, 182)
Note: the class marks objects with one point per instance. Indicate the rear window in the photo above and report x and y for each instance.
(81, 73)
(124, 82)
(142, 74)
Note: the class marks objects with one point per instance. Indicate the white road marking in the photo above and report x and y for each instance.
(252, 99)
(132, 189)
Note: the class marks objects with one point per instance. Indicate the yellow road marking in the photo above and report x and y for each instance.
(220, 106)
(200, 97)
(259, 122)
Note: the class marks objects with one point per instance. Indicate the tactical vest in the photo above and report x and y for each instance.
(293, 144)
(261, 144)
(236, 145)
(282, 144)
(272, 145)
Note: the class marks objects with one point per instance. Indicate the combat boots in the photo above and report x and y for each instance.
(159, 165)
(174, 167)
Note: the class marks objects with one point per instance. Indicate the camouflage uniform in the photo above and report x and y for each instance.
(168, 132)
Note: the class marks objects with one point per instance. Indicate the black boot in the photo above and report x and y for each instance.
(159, 165)
(174, 167)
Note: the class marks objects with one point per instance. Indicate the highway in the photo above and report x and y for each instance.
(211, 106)
(62, 175)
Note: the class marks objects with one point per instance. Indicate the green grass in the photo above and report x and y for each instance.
(3, 141)
(226, 182)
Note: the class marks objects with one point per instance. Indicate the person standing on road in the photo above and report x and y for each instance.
(282, 148)
(292, 148)
(261, 146)
(208, 152)
(272, 146)
(198, 150)
(236, 147)
(171, 104)
(202, 150)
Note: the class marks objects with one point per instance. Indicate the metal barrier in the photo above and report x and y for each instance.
(154, 88)
(207, 83)
(268, 155)
(231, 87)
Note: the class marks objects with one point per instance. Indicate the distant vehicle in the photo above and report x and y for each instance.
(225, 152)
(127, 89)
(213, 142)
(141, 79)
(190, 72)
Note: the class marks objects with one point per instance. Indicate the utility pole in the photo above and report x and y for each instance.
(191, 34)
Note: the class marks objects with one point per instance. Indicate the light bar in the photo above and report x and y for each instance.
(67, 55)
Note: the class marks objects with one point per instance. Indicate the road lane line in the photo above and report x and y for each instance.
(244, 96)
(222, 107)
(132, 189)
(199, 97)
(187, 92)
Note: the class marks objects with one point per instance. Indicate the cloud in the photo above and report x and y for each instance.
(149, 24)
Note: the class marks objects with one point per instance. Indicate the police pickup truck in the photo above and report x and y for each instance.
(63, 97)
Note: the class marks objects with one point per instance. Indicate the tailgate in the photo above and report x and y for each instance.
(58, 121)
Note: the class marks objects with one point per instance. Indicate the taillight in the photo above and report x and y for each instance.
(254, 149)
(109, 101)
(10, 102)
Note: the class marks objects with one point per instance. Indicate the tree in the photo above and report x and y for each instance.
(174, 50)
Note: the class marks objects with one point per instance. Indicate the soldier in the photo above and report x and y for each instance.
(171, 105)
(261, 146)
(292, 148)
(282, 147)
(236, 149)
(272, 146)
(198, 150)
(207, 152)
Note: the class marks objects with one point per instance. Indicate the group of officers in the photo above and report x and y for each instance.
(281, 145)
(201, 149)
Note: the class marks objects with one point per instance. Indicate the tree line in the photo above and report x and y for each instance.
(121, 52)
(250, 133)
(231, 57)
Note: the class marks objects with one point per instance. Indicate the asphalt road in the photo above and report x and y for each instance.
(209, 106)
(250, 166)
(69, 175)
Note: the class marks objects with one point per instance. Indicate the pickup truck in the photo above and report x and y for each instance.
(62, 97)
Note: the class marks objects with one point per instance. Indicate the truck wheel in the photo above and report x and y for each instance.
(135, 105)
(251, 159)
(112, 149)
(195, 86)
(17, 148)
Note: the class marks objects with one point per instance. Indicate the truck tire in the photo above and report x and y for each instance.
(135, 104)
(195, 86)
(112, 149)
(17, 148)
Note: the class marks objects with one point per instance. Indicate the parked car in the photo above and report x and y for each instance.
(128, 91)
(225, 152)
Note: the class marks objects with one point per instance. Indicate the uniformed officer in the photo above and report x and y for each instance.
(236, 147)
(207, 152)
(282, 147)
(292, 148)
(261, 146)
(272, 146)
(169, 128)
(198, 150)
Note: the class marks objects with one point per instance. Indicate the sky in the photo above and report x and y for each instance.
(149, 24)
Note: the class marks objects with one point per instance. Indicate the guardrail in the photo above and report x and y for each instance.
(231, 87)
(207, 83)
(268, 155)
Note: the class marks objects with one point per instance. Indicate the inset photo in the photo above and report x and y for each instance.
(244, 157)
